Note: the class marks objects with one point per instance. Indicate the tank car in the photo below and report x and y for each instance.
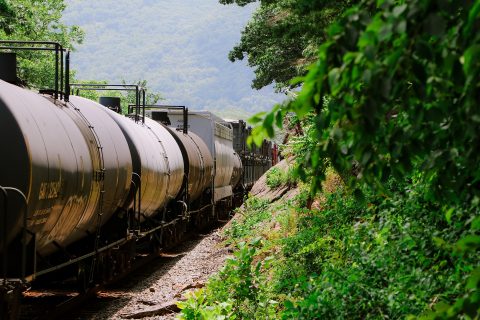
(198, 163)
(62, 156)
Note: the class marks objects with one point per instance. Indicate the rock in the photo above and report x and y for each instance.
(291, 194)
(261, 190)
(146, 302)
(152, 290)
(166, 308)
(196, 285)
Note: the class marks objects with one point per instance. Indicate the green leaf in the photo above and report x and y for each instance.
(279, 119)
(368, 38)
(439, 242)
(398, 10)
(367, 154)
(268, 124)
(333, 78)
(288, 304)
(257, 118)
(473, 281)
(475, 224)
(472, 17)
(401, 27)
(471, 58)
(258, 134)
(468, 243)
(448, 215)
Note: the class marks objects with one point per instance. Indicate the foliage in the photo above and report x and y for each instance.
(401, 84)
(281, 38)
(401, 89)
(376, 257)
(37, 21)
(383, 257)
(274, 177)
(195, 308)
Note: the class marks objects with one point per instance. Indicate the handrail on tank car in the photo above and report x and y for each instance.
(167, 107)
(4, 192)
(140, 93)
(59, 61)
(138, 190)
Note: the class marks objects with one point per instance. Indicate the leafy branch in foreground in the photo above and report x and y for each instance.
(402, 88)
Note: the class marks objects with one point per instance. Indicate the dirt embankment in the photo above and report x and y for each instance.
(262, 190)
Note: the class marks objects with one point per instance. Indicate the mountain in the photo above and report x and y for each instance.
(179, 47)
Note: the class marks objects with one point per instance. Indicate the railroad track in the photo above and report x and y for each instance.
(62, 301)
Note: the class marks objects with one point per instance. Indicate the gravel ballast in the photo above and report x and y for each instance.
(152, 292)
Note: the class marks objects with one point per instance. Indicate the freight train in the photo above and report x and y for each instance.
(84, 189)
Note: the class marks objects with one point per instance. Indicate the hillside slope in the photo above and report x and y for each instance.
(180, 47)
(339, 257)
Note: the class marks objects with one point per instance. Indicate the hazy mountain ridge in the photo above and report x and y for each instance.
(180, 47)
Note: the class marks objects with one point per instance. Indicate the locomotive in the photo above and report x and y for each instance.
(85, 189)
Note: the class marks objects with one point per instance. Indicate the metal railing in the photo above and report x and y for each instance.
(140, 93)
(62, 61)
(166, 107)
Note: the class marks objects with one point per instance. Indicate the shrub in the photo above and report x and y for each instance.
(380, 257)
(276, 177)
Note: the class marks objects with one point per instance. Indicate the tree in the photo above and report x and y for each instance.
(282, 37)
(37, 21)
(6, 17)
